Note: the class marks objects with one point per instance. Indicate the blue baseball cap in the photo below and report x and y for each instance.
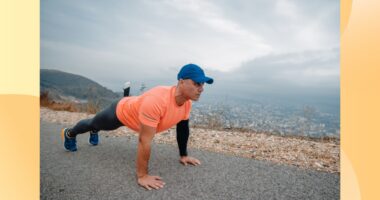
(195, 73)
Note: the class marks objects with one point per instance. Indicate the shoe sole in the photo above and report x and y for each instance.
(92, 144)
(63, 134)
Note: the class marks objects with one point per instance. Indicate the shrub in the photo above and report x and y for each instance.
(90, 107)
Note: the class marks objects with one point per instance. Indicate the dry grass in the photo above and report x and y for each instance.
(46, 101)
(322, 155)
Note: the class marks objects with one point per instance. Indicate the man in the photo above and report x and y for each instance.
(154, 111)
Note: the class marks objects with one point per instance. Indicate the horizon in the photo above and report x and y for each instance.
(328, 103)
(281, 114)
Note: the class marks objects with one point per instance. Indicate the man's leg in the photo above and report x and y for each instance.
(127, 87)
(104, 120)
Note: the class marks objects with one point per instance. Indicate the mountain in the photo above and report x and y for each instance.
(66, 86)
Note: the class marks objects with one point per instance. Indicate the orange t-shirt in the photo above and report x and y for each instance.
(155, 108)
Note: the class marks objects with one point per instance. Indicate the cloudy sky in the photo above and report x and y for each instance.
(248, 46)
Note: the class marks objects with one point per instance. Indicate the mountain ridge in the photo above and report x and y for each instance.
(63, 86)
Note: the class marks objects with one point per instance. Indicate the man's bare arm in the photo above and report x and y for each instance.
(143, 154)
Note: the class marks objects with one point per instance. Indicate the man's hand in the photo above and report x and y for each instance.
(150, 182)
(189, 160)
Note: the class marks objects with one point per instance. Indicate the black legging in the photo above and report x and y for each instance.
(104, 120)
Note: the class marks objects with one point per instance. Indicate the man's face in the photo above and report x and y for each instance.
(191, 89)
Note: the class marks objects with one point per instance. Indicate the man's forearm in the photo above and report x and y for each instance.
(142, 161)
(183, 136)
(143, 149)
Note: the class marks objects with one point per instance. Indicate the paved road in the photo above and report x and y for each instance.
(107, 171)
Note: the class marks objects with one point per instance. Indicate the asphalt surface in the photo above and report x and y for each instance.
(107, 171)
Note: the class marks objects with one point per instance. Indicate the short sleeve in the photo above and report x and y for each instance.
(151, 111)
(188, 110)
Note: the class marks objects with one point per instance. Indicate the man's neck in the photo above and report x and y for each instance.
(179, 98)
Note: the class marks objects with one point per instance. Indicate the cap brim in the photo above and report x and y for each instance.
(209, 80)
(204, 79)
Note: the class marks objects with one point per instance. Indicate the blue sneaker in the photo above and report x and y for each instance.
(94, 138)
(70, 143)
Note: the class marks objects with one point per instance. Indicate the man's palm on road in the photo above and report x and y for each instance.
(189, 160)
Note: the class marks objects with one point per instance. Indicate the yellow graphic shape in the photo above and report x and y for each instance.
(19, 147)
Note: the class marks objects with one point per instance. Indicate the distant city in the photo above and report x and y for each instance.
(317, 116)
(302, 120)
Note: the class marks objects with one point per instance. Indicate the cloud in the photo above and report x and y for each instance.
(247, 45)
(287, 9)
(309, 72)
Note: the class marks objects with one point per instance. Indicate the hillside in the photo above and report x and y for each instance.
(66, 86)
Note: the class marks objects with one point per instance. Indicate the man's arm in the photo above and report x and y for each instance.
(143, 154)
(183, 136)
(183, 133)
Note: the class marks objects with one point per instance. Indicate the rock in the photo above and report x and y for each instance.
(318, 164)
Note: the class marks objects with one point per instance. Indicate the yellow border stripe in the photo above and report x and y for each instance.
(360, 98)
(19, 47)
